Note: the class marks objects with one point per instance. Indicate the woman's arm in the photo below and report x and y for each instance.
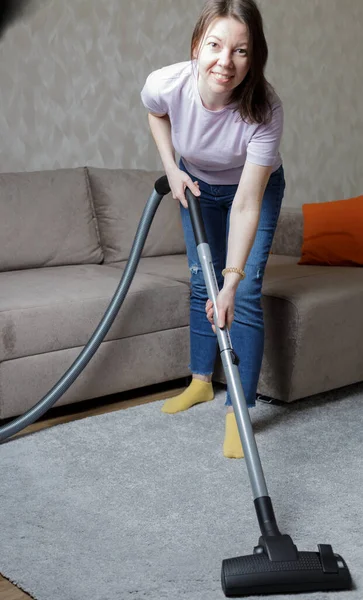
(244, 218)
(178, 180)
(161, 131)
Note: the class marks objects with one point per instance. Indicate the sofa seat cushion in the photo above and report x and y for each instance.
(286, 279)
(280, 267)
(42, 310)
(47, 220)
(172, 266)
(313, 324)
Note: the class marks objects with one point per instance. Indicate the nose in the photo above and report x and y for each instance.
(225, 58)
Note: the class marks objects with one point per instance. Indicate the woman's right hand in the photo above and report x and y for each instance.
(178, 181)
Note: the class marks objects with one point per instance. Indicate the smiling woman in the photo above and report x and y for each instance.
(223, 118)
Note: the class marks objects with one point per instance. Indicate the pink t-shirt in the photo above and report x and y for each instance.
(213, 145)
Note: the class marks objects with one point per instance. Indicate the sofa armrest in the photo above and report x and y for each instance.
(288, 237)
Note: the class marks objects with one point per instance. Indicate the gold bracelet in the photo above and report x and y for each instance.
(240, 272)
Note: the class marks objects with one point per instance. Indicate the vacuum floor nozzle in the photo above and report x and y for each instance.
(311, 572)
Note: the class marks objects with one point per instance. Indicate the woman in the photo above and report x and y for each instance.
(225, 121)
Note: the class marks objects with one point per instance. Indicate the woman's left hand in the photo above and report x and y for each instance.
(225, 309)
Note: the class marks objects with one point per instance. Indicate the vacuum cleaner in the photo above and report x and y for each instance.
(276, 565)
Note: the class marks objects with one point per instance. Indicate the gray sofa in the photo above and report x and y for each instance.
(65, 238)
(313, 320)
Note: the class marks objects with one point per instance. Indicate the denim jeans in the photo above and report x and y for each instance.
(247, 331)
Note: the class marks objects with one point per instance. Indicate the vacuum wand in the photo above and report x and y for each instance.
(276, 565)
(229, 358)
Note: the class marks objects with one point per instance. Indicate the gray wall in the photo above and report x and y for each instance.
(71, 75)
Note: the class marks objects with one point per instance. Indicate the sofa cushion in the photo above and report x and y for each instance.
(172, 266)
(42, 310)
(313, 331)
(333, 233)
(47, 219)
(118, 365)
(120, 196)
(280, 267)
(313, 324)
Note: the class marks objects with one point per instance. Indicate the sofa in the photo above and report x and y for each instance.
(65, 239)
(313, 320)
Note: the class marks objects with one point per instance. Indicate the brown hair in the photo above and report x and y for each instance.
(253, 95)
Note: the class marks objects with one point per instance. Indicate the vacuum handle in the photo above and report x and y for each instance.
(196, 218)
(162, 187)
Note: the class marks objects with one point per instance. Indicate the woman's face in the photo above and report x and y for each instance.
(223, 60)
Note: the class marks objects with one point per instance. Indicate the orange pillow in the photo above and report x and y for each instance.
(333, 233)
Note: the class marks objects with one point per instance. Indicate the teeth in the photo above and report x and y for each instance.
(219, 76)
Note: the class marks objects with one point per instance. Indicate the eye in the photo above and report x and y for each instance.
(213, 44)
(242, 51)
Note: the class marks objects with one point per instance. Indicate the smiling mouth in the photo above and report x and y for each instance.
(221, 77)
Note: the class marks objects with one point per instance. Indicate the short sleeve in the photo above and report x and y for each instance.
(151, 94)
(264, 145)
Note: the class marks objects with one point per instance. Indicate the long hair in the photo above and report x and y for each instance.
(253, 94)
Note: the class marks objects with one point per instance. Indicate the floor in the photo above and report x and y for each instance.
(65, 414)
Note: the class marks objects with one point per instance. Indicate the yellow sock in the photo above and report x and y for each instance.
(232, 447)
(198, 391)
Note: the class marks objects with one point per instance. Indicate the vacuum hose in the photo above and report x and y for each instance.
(161, 188)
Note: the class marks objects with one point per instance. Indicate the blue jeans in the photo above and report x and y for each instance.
(247, 331)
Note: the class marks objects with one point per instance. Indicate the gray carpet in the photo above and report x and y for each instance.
(138, 504)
